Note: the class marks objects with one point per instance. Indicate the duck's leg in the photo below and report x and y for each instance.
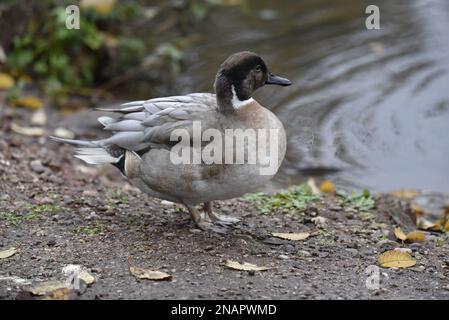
(221, 219)
(203, 222)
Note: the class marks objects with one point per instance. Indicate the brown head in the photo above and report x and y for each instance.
(239, 76)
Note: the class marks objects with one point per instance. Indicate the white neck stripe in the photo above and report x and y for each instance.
(236, 103)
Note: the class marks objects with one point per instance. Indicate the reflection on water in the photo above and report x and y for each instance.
(367, 108)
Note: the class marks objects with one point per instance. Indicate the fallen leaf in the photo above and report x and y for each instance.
(8, 253)
(446, 226)
(245, 266)
(149, 274)
(327, 187)
(416, 236)
(101, 6)
(47, 287)
(396, 259)
(292, 236)
(61, 294)
(400, 234)
(142, 273)
(27, 131)
(30, 102)
(6, 81)
(405, 193)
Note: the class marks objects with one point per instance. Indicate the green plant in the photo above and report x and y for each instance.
(116, 196)
(12, 218)
(289, 201)
(362, 201)
(91, 230)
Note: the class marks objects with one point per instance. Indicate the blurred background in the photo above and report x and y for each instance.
(367, 108)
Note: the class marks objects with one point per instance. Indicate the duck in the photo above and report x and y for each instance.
(145, 133)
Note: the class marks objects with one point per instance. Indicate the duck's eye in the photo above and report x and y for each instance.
(258, 68)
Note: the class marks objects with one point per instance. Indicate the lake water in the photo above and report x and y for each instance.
(367, 108)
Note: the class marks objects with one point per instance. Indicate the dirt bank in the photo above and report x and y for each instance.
(58, 211)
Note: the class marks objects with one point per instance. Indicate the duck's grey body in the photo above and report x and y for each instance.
(154, 172)
(141, 143)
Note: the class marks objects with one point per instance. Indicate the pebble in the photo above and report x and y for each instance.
(406, 250)
(36, 166)
(283, 257)
(304, 253)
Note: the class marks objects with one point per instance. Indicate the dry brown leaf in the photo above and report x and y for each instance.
(446, 226)
(292, 236)
(30, 102)
(43, 288)
(149, 274)
(405, 193)
(396, 259)
(6, 81)
(27, 131)
(61, 294)
(8, 253)
(400, 234)
(416, 236)
(245, 266)
(327, 187)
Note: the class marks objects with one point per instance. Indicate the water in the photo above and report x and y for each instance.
(367, 108)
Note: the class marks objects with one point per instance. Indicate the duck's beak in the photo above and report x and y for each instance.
(273, 79)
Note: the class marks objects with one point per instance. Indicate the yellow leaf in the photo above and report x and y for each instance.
(6, 81)
(60, 294)
(400, 234)
(327, 186)
(396, 259)
(416, 236)
(30, 102)
(148, 274)
(101, 6)
(245, 266)
(292, 236)
(446, 226)
(27, 131)
(47, 287)
(405, 193)
(8, 253)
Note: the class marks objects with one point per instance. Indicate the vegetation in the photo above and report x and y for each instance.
(362, 201)
(289, 201)
(111, 47)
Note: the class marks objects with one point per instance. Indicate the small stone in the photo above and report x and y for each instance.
(406, 250)
(304, 253)
(36, 166)
(51, 243)
(283, 257)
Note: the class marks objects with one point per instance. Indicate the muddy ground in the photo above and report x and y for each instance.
(58, 211)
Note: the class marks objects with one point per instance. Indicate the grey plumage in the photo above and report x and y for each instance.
(140, 144)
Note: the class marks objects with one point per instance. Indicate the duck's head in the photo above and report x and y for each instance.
(239, 76)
